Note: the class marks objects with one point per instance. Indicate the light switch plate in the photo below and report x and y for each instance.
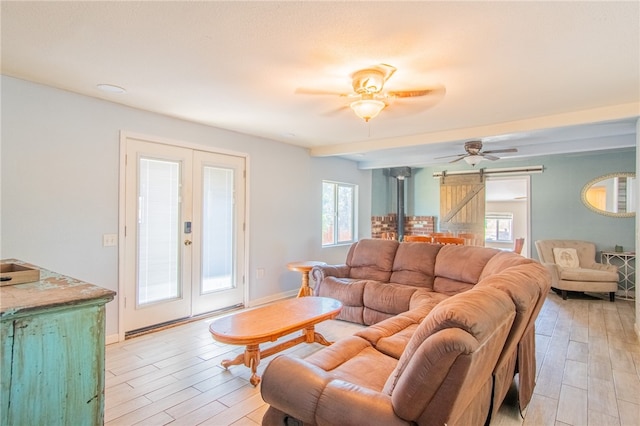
(109, 240)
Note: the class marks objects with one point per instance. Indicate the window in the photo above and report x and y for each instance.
(338, 213)
(498, 227)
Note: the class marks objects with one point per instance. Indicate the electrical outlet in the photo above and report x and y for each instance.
(109, 240)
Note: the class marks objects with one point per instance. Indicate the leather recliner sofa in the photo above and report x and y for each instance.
(432, 353)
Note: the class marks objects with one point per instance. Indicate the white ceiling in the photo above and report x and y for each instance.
(545, 77)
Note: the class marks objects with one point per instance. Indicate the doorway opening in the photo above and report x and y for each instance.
(507, 212)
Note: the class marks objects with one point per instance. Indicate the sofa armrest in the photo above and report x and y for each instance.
(294, 386)
(349, 404)
(554, 271)
(320, 272)
(310, 394)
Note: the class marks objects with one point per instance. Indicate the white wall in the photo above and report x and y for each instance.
(60, 163)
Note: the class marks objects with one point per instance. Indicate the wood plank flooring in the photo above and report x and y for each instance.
(588, 359)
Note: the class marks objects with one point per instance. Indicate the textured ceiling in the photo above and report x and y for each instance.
(525, 74)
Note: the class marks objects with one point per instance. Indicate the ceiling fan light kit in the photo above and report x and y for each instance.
(367, 108)
(368, 98)
(472, 160)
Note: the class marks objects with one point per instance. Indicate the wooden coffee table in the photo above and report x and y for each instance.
(268, 323)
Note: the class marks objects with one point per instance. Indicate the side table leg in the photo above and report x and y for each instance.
(305, 290)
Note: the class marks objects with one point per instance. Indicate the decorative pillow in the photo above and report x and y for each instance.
(566, 257)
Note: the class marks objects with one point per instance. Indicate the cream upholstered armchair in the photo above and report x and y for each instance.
(573, 267)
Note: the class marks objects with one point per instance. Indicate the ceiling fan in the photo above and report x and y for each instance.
(368, 97)
(475, 154)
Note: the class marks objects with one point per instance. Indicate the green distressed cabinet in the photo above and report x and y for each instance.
(53, 344)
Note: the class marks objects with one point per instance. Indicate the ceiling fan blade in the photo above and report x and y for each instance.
(449, 156)
(457, 159)
(305, 91)
(335, 110)
(499, 151)
(490, 157)
(437, 91)
(410, 93)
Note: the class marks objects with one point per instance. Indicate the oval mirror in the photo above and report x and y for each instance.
(611, 195)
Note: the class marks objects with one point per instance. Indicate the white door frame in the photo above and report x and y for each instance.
(124, 136)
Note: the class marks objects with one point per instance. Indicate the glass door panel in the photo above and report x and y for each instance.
(158, 231)
(157, 259)
(217, 230)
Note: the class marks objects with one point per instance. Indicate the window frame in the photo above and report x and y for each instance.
(336, 217)
(498, 216)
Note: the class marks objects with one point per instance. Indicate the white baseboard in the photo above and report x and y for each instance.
(112, 338)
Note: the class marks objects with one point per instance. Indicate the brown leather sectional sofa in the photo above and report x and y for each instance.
(449, 327)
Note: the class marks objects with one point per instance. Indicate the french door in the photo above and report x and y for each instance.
(184, 239)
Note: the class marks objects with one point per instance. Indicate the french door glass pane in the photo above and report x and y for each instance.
(217, 229)
(158, 231)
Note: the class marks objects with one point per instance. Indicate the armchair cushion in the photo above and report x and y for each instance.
(583, 274)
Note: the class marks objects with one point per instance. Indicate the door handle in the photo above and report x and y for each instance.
(187, 242)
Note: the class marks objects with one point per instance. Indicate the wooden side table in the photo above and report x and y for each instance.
(305, 267)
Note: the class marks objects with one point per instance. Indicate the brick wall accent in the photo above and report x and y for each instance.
(386, 226)
(419, 225)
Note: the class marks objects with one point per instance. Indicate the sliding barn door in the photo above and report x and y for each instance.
(462, 205)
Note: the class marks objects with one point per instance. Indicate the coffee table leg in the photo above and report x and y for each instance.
(236, 361)
(314, 337)
(251, 360)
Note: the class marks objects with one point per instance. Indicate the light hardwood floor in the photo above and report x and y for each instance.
(588, 360)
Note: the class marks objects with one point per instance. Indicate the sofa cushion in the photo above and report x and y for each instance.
(350, 359)
(566, 257)
(458, 268)
(373, 259)
(389, 298)
(414, 264)
(391, 335)
(502, 261)
(349, 292)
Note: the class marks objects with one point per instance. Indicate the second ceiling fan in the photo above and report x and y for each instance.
(474, 153)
